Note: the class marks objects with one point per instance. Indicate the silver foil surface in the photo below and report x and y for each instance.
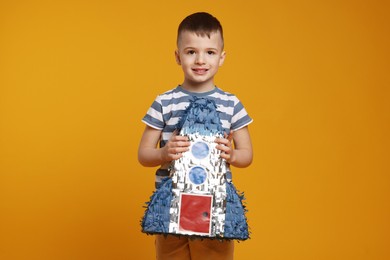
(200, 171)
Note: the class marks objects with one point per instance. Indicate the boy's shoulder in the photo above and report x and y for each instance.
(225, 95)
(171, 92)
(223, 92)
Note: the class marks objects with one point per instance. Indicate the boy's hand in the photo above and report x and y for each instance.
(174, 148)
(225, 145)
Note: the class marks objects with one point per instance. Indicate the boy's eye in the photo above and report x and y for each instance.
(211, 52)
(190, 52)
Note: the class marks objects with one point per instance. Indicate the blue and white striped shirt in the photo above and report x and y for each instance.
(167, 109)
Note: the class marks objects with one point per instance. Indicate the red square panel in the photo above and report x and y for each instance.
(195, 213)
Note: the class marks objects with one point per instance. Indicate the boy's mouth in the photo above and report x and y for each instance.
(200, 70)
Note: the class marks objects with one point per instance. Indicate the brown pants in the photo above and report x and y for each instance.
(182, 248)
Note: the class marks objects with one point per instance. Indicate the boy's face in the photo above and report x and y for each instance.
(200, 58)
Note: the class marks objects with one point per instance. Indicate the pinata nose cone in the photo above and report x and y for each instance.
(201, 116)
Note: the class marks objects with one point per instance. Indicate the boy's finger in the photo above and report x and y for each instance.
(230, 136)
(177, 138)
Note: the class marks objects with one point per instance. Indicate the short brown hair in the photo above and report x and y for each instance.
(201, 23)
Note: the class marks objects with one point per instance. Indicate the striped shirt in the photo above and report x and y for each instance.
(167, 109)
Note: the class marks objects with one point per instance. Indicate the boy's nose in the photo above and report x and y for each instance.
(199, 59)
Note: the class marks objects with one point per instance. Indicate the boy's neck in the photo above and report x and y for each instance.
(194, 88)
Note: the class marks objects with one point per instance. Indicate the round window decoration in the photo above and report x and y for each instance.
(200, 150)
(197, 175)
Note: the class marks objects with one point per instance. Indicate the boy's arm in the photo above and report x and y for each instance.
(241, 154)
(150, 155)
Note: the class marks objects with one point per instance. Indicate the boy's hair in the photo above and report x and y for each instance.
(201, 23)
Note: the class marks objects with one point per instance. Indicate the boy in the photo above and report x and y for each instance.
(200, 54)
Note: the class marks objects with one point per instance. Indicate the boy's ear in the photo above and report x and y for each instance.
(177, 57)
(222, 58)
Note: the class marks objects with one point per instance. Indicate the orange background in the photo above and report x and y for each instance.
(76, 77)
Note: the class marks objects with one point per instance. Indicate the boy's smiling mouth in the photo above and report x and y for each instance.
(200, 70)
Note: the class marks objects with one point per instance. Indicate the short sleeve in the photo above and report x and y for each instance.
(154, 115)
(240, 116)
